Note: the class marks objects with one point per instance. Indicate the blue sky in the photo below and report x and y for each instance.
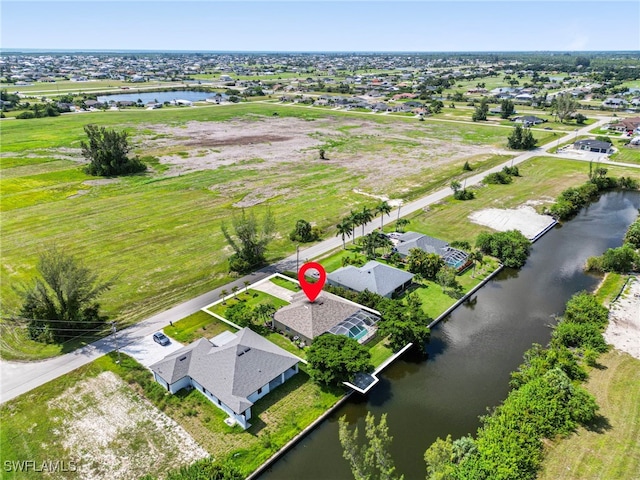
(426, 25)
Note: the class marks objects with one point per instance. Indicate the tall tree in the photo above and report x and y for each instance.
(372, 459)
(366, 215)
(249, 240)
(475, 257)
(480, 113)
(106, 151)
(63, 301)
(506, 108)
(355, 218)
(563, 106)
(383, 208)
(344, 229)
(401, 324)
(334, 359)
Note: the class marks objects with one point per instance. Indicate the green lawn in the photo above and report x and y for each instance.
(611, 448)
(289, 285)
(251, 298)
(626, 154)
(379, 351)
(610, 287)
(195, 326)
(542, 178)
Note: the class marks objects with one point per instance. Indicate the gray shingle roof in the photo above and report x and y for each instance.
(594, 144)
(373, 276)
(411, 240)
(313, 319)
(231, 372)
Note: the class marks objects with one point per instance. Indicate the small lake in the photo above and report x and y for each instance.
(161, 97)
(471, 353)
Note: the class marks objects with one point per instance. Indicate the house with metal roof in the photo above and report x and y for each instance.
(328, 313)
(452, 256)
(373, 276)
(233, 373)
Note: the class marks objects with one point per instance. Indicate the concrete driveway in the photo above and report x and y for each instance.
(147, 352)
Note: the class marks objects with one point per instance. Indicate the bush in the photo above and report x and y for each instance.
(25, 115)
(334, 359)
(498, 178)
(510, 247)
(464, 195)
(106, 151)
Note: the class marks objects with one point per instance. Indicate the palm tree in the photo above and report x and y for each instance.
(246, 286)
(401, 223)
(476, 257)
(344, 229)
(355, 219)
(383, 208)
(366, 215)
(223, 293)
(235, 291)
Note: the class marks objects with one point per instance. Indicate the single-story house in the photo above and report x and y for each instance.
(452, 256)
(529, 120)
(596, 146)
(233, 373)
(328, 313)
(373, 276)
(626, 125)
(614, 102)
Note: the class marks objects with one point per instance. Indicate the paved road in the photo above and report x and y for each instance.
(18, 378)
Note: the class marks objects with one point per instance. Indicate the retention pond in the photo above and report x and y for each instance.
(472, 352)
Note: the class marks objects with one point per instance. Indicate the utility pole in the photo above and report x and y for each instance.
(297, 257)
(115, 333)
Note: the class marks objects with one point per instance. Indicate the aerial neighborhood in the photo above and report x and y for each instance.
(209, 255)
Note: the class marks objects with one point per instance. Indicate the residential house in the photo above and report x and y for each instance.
(528, 120)
(630, 124)
(595, 146)
(452, 256)
(232, 372)
(328, 313)
(614, 103)
(373, 276)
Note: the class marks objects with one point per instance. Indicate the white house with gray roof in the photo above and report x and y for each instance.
(373, 276)
(452, 256)
(233, 375)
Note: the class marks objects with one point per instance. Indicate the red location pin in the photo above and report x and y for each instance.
(312, 290)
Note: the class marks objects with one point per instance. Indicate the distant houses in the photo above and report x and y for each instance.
(232, 370)
(329, 313)
(373, 276)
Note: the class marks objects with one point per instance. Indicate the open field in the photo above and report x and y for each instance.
(541, 180)
(63, 87)
(94, 418)
(160, 232)
(611, 448)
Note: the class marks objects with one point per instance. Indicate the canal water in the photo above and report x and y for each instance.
(472, 353)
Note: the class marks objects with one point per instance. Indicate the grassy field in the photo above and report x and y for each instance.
(626, 155)
(195, 326)
(161, 235)
(611, 448)
(542, 178)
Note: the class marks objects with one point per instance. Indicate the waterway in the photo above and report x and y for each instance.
(472, 352)
(161, 97)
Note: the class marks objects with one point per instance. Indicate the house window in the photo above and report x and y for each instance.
(287, 329)
(259, 390)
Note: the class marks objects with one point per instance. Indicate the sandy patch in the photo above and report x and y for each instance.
(100, 181)
(623, 331)
(392, 202)
(523, 218)
(79, 194)
(114, 433)
(380, 153)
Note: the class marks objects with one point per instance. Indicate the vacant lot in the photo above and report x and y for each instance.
(160, 232)
(97, 421)
(611, 449)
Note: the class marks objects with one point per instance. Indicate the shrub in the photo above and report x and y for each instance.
(510, 247)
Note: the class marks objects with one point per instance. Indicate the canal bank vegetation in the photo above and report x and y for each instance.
(623, 259)
(571, 200)
(547, 400)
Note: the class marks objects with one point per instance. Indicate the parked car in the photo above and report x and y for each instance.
(161, 338)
